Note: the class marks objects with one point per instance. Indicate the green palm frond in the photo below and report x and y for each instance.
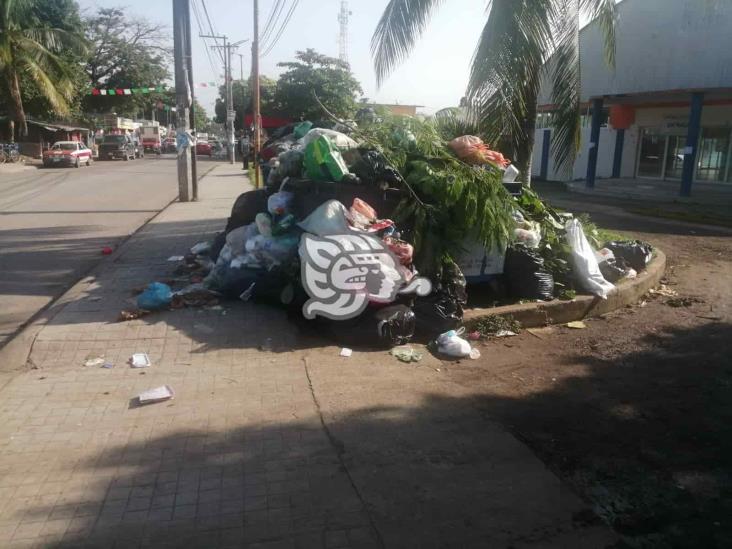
(605, 12)
(399, 27)
(507, 65)
(566, 85)
(51, 89)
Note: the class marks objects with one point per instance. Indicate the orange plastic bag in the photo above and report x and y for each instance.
(472, 150)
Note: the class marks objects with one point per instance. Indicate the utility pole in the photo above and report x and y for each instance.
(343, 16)
(227, 91)
(181, 22)
(255, 95)
(191, 87)
(241, 66)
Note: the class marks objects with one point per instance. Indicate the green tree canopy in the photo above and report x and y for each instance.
(314, 73)
(241, 91)
(126, 52)
(38, 49)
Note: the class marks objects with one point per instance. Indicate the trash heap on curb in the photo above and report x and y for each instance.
(368, 230)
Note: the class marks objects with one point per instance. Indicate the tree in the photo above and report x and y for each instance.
(30, 47)
(522, 43)
(316, 74)
(201, 118)
(241, 92)
(126, 52)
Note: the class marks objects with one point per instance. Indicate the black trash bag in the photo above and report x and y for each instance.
(525, 275)
(217, 245)
(635, 252)
(613, 269)
(260, 285)
(372, 168)
(442, 310)
(385, 327)
(245, 209)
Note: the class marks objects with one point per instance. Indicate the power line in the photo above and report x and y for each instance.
(211, 28)
(272, 20)
(282, 28)
(200, 32)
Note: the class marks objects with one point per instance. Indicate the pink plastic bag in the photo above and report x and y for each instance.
(364, 209)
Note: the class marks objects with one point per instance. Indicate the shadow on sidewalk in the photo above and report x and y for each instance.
(644, 436)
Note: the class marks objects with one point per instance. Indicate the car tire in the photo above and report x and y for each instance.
(127, 157)
(77, 164)
(89, 162)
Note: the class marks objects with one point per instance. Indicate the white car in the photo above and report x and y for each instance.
(67, 153)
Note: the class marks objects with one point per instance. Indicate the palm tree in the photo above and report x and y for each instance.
(28, 49)
(523, 43)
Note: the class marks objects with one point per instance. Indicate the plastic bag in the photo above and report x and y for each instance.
(264, 224)
(635, 252)
(301, 129)
(451, 344)
(245, 209)
(372, 167)
(472, 150)
(328, 218)
(236, 240)
(280, 203)
(385, 327)
(525, 275)
(338, 139)
(530, 239)
(290, 164)
(364, 209)
(400, 248)
(586, 268)
(442, 310)
(613, 269)
(156, 296)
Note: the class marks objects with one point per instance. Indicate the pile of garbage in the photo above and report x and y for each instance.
(368, 229)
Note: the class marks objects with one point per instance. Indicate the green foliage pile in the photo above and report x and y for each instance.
(451, 203)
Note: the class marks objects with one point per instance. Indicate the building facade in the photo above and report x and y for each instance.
(665, 111)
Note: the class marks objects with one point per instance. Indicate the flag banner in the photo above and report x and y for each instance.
(129, 91)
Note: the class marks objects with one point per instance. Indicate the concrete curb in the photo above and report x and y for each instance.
(16, 350)
(532, 315)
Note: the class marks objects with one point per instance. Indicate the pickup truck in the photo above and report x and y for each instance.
(116, 146)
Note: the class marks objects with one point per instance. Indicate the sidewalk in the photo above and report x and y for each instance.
(297, 447)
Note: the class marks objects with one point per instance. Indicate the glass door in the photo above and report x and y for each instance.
(652, 150)
(713, 154)
(675, 156)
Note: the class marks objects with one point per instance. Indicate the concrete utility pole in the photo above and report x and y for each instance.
(192, 87)
(255, 94)
(181, 22)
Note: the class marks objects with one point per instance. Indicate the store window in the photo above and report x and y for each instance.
(714, 154)
(652, 152)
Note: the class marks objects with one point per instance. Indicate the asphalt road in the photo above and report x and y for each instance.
(54, 223)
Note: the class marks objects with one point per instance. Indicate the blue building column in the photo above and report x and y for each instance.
(618, 157)
(545, 142)
(594, 143)
(692, 142)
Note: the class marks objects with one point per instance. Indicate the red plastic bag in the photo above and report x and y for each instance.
(403, 250)
(364, 209)
(472, 150)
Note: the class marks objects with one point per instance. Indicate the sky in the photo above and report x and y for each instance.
(434, 76)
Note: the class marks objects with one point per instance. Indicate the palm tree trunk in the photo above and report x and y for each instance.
(16, 106)
(525, 148)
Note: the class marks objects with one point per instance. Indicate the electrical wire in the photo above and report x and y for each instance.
(282, 28)
(213, 32)
(272, 20)
(197, 15)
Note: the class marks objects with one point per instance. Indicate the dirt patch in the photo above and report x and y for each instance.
(635, 411)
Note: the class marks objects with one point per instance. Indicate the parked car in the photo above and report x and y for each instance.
(67, 153)
(204, 148)
(116, 146)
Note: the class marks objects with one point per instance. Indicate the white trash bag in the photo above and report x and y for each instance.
(451, 344)
(585, 263)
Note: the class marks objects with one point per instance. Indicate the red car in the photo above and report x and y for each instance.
(67, 153)
(204, 148)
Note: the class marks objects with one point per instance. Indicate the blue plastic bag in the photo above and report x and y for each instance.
(156, 296)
